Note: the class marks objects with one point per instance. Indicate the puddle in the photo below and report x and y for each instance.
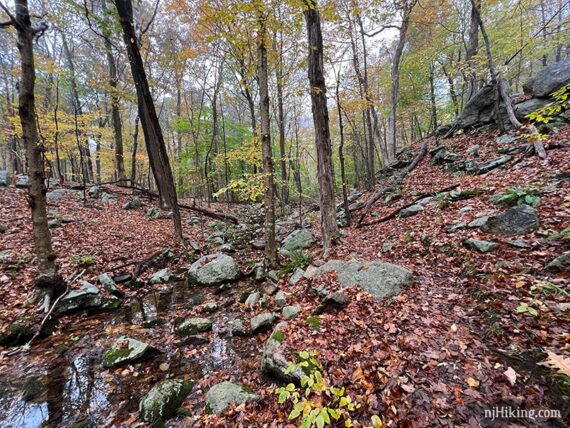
(69, 389)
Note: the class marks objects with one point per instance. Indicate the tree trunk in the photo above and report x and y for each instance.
(341, 153)
(472, 48)
(318, 89)
(432, 99)
(395, 72)
(269, 200)
(281, 122)
(49, 279)
(154, 139)
(134, 152)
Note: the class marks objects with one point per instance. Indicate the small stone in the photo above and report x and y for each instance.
(3, 228)
(226, 249)
(465, 209)
(480, 246)
(134, 203)
(127, 350)
(411, 211)
(473, 150)
(161, 277)
(262, 322)
(259, 272)
(238, 328)
(258, 244)
(386, 246)
(478, 222)
(280, 299)
(194, 326)
(153, 212)
(210, 307)
(519, 243)
(269, 288)
(252, 299)
(221, 395)
(334, 301)
(457, 226)
(110, 285)
(53, 223)
(296, 277)
(273, 275)
(505, 139)
(560, 264)
(291, 312)
(196, 339)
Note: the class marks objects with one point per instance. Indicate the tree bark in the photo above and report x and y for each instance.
(329, 229)
(341, 153)
(281, 123)
(152, 131)
(471, 51)
(269, 199)
(49, 279)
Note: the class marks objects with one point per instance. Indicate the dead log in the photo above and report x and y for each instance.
(417, 198)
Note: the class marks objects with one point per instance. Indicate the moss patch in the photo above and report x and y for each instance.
(112, 355)
(315, 322)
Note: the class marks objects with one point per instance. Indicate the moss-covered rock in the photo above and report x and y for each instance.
(16, 333)
(163, 400)
(194, 326)
(127, 350)
(221, 395)
(273, 361)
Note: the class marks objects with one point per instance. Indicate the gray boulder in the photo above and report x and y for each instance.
(134, 203)
(411, 211)
(517, 220)
(106, 197)
(94, 192)
(153, 212)
(221, 395)
(455, 227)
(127, 350)
(194, 326)
(549, 79)
(525, 108)
(478, 110)
(161, 277)
(291, 312)
(478, 222)
(297, 240)
(109, 284)
(280, 299)
(163, 400)
(377, 278)
(493, 164)
(560, 264)
(87, 297)
(22, 181)
(238, 328)
(252, 299)
(480, 246)
(214, 269)
(262, 322)
(297, 276)
(273, 361)
(4, 178)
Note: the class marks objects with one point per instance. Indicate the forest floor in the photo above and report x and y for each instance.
(449, 347)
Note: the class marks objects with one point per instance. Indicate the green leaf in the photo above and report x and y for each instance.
(296, 412)
(522, 308)
(304, 355)
(283, 397)
(335, 413)
(325, 414)
(290, 387)
(320, 421)
(376, 421)
(532, 311)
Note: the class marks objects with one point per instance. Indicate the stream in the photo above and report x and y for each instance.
(72, 388)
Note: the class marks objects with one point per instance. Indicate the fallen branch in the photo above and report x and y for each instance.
(395, 212)
(379, 193)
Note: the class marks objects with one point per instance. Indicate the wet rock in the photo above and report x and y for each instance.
(153, 212)
(455, 227)
(16, 333)
(493, 164)
(194, 326)
(273, 361)
(280, 299)
(110, 285)
(238, 328)
(296, 277)
(127, 350)
(163, 399)
(478, 222)
(213, 269)
(219, 397)
(262, 322)
(32, 389)
(162, 276)
(134, 203)
(411, 211)
(195, 340)
(291, 312)
(377, 278)
(560, 264)
(517, 220)
(480, 246)
(252, 299)
(297, 240)
(87, 297)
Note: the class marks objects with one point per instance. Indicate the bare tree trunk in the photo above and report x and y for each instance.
(329, 229)
(269, 199)
(341, 152)
(432, 99)
(472, 48)
(134, 152)
(154, 139)
(49, 280)
(395, 72)
(281, 122)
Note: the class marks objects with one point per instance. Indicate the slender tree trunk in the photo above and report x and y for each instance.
(329, 229)
(281, 122)
(49, 280)
(154, 139)
(341, 152)
(134, 152)
(472, 48)
(432, 99)
(395, 72)
(269, 198)
(115, 112)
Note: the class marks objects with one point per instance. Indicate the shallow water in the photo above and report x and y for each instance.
(70, 388)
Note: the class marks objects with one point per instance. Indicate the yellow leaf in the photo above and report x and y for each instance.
(473, 383)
